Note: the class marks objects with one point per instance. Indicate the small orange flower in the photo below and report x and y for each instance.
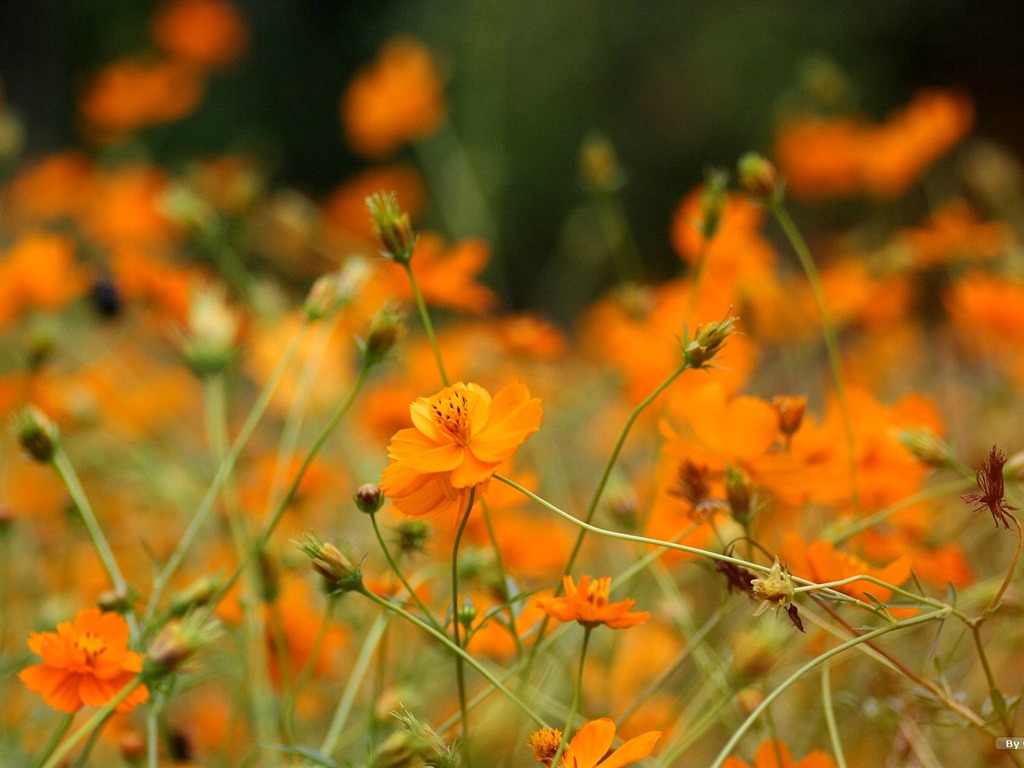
(588, 604)
(459, 437)
(775, 754)
(590, 745)
(206, 33)
(86, 661)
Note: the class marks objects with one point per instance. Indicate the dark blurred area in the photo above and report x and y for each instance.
(675, 87)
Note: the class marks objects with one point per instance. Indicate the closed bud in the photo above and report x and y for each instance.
(115, 600)
(738, 494)
(132, 744)
(467, 614)
(37, 435)
(412, 536)
(369, 498)
(392, 226)
(790, 410)
(386, 328)
(600, 165)
(177, 642)
(196, 594)
(707, 342)
(337, 571)
(332, 292)
(926, 446)
(759, 178)
(209, 343)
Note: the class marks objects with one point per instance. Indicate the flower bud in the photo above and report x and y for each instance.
(738, 494)
(386, 328)
(338, 573)
(208, 345)
(412, 536)
(775, 590)
(331, 292)
(759, 178)
(712, 202)
(369, 498)
(926, 446)
(392, 226)
(790, 410)
(599, 164)
(196, 594)
(467, 614)
(707, 342)
(37, 435)
(176, 643)
(115, 600)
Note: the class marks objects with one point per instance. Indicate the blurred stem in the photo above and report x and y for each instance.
(348, 697)
(428, 326)
(499, 564)
(91, 724)
(254, 660)
(401, 576)
(446, 641)
(695, 280)
(576, 694)
(997, 598)
(291, 698)
(830, 716)
(83, 756)
(828, 330)
(611, 212)
(998, 704)
(460, 670)
(738, 734)
(54, 740)
(164, 575)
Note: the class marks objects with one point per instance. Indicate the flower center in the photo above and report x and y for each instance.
(597, 593)
(93, 646)
(451, 413)
(545, 744)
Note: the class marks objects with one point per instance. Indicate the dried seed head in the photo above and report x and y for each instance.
(774, 590)
(392, 226)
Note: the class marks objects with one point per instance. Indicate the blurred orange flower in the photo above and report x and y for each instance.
(85, 662)
(954, 231)
(206, 33)
(590, 746)
(134, 93)
(831, 158)
(38, 271)
(775, 754)
(459, 437)
(820, 561)
(396, 99)
(588, 604)
(56, 187)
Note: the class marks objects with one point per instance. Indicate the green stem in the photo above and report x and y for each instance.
(830, 717)
(348, 697)
(289, 703)
(997, 598)
(447, 642)
(67, 474)
(54, 740)
(828, 330)
(576, 695)
(499, 564)
(993, 691)
(428, 326)
(738, 734)
(401, 576)
(460, 670)
(91, 724)
(165, 574)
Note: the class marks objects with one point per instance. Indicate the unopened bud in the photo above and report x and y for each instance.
(926, 446)
(738, 494)
(790, 410)
(600, 165)
(133, 747)
(338, 573)
(369, 498)
(196, 594)
(177, 642)
(412, 536)
(392, 226)
(759, 178)
(386, 328)
(115, 600)
(36, 433)
(332, 292)
(467, 614)
(707, 342)
(208, 345)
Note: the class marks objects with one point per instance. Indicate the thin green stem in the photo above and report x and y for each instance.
(447, 642)
(401, 576)
(54, 740)
(70, 478)
(830, 716)
(995, 696)
(738, 734)
(428, 326)
(499, 565)
(460, 671)
(165, 574)
(997, 598)
(348, 697)
(291, 698)
(576, 695)
(91, 724)
(828, 330)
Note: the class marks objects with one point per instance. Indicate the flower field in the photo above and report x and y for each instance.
(293, 480)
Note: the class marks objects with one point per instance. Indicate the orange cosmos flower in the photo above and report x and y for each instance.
(590, 745)
(206, 33)
(775, 754)
(459, 437)
(397, 98)
(86, 661)
(820, 561)
(588, 604)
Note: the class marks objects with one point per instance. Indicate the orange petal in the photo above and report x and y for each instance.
(591, 742)
(633, 750)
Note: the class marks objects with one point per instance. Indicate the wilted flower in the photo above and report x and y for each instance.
(992, 496)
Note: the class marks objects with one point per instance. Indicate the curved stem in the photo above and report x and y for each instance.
(447, 642)
(428, 326)
(460, 671)
(771, 697)
(576, 692)
(830, 717)
(54, 740)
(401, 576)
(828, 330)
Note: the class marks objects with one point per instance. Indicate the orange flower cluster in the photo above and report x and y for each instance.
(588, 604)
(86, 662)
(834, 158)
(459, 438)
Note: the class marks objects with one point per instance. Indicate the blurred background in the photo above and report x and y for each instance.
(674, 87)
